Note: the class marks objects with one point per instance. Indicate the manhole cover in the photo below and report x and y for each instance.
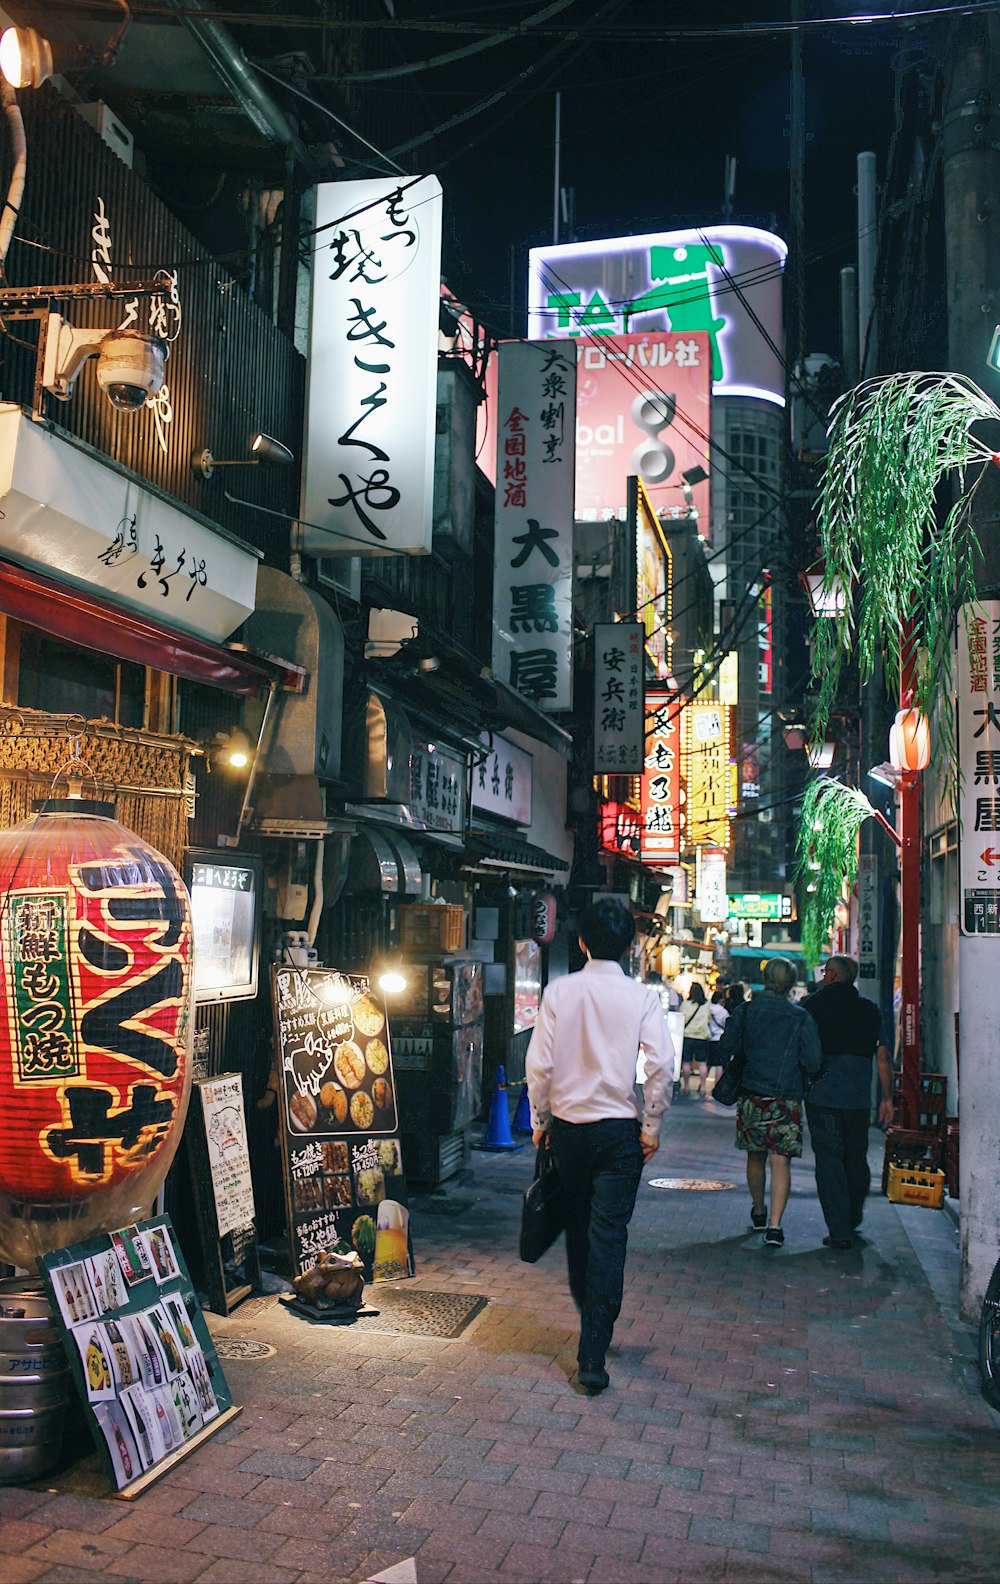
(421, 1313)
(243, 1348)
(691, 1184)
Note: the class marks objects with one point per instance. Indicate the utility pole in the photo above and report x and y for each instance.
(796, 198)
(971, 177)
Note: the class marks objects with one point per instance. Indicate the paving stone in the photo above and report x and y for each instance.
(284, 1466)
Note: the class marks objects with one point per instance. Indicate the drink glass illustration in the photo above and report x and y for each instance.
(390, 1240)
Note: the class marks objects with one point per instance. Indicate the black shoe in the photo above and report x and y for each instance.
(758, 1219)
(774, 1237)
(838, 1243)
(594, 1381)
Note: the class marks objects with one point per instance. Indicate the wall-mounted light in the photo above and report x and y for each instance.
(27, 58)
(264, 450)
(233, 750)
(390, 976)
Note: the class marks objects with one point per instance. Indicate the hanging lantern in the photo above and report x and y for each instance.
(670, 962)
(95, 1026)
(543, 917)
(910, 741)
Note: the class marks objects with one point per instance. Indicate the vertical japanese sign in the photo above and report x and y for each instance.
(653, 580)
(621, 829)
(978, 673)
(619, 720)
(368, 474)
(706, 774)
(710, 899)
(765, 636)
(228, 1154)
(661, 781)
(533, 570)
(339, 1126)
(868, 917)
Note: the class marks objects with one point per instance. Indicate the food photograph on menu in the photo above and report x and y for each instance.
(335, 1055)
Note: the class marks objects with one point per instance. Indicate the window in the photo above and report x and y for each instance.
(63, 679)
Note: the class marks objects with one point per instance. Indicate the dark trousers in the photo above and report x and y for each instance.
(600, 1167)
(840, 1145)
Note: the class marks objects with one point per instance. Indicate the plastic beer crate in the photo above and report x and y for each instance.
(910, 1185)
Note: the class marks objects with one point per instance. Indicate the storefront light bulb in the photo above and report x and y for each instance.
(25, 58)
(392, 981)
(238, 759)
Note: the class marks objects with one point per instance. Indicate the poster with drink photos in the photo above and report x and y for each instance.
(139, 1349)
(343, 1163)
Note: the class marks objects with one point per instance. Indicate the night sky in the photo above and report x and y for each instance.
(646, 128)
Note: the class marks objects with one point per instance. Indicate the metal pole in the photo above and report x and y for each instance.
(909, 899)
(556, 177)
(849, 325)
(867, 248)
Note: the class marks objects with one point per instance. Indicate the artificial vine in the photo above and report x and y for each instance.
(832, 815)
(892, 440)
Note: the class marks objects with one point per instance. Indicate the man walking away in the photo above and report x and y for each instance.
(838, 1104)
(580, 1068)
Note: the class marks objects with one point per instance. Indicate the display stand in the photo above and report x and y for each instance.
(221, 1188)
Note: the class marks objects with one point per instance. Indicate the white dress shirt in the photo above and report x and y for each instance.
(581, 1060)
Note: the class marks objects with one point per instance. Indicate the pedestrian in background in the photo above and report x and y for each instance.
(736, 994)
(581, 1067)
(697, 1040)
(781, 1046)
(718, 1017)
(838, 1107)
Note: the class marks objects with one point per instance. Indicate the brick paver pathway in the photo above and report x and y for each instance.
(791, 1415)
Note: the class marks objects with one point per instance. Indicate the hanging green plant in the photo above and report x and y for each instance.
(892, 440)
(832, 815)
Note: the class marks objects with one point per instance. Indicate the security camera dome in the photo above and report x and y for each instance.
(130, 368)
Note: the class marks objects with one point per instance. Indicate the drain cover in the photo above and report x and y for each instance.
(691, 1184)
(433, 1314)
(243, 1348)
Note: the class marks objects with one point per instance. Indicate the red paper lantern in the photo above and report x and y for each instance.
(95, 1026)
(910, 741)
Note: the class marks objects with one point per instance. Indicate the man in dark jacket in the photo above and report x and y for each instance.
(839, 1103)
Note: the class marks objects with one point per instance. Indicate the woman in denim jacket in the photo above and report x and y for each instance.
(782, 1049)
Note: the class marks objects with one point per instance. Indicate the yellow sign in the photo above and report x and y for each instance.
(654, 576)
(706, 772)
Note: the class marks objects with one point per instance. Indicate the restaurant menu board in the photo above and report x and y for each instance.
(228, 1155)
(343, 1163)
(138, 1347)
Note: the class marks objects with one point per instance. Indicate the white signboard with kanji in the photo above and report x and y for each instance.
(978, 681)
(368, 468)
(533, 570)
(228, 1155)
(619, 721)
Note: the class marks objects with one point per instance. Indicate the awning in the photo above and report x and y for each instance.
(93, 623)
(499, 852)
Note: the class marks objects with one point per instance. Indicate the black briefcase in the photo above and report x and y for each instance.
(543, 1216)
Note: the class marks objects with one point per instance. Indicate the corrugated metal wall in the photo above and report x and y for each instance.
(230, 372)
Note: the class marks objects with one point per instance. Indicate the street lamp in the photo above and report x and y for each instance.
(826, 594)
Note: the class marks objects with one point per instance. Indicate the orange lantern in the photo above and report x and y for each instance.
(95, 1026)
(910, 741)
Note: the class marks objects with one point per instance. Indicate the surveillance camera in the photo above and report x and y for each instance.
(130, 368)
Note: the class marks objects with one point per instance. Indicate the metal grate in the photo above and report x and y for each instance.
(433, 1314)
(691, 1184)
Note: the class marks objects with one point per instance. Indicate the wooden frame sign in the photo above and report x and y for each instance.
(343, 1162)
(139, 1350)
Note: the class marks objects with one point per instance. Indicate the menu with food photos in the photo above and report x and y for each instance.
(343, 1163)
(138, 1348)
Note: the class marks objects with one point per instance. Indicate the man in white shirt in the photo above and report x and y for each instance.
(580, 1069)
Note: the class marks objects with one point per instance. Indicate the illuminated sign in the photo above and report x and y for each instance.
(368, 475)
(769, 905)
(765, 635)
(724, 281)
(533, 515)
(661, 781)
(224, 913)
(729, 678)
(621, 829)
(654, 576)
(619, 720)
(710, 885)
(706, 774)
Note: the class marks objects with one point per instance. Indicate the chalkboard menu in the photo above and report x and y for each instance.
(139, 1350)
(342, 1158)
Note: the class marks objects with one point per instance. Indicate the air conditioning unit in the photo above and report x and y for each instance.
(108, 127)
